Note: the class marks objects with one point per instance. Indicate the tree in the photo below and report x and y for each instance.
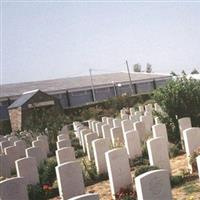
(137, 67)
(183, 73)
(179, 98)
(172, 73)
(148, 68)
(194, 71)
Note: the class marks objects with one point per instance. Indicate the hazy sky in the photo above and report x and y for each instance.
(44, 40)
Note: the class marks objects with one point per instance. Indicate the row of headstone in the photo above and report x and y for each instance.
(68, 171)
(25, 161)
(149, 186)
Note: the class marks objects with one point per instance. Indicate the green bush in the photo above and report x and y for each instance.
(145, 151)
(144, 168)
(174, 151)
(176, 180)
(138, 161)
(47, 172)
(179, 98)
(35, 192)
(79, 153)
(90, 173)
(75, 143)
(41, 118)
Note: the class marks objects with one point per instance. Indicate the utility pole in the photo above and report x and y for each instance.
(130, 81)
(92, 85)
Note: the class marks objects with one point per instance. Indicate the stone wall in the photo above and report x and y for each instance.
(15, 118)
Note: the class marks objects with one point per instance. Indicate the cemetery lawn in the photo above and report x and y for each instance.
(187, 191)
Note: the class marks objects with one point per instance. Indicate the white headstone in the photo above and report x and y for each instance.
(41, 145)
(90, 124)
(110, 121)
(117, 122)
(147, 122)
(157, 120)
(4, 144)
(63, 137)
(117, 136)
(64, 130)
(124, 116)
(158, 153)
(106, 131)
(12, 139)
(88, 140)
(94, 126)
(140, 128)
(153, 185)
(184, 123)
(132, 111)
(127, 125)
(65, 154)
(99, 129)
(191, 139)
(5, 169)
(82, 136)
(132, 144)
(13, 155)
(141, 108)
(160, 130)
(63, 143)
(118, 170)
(104, 119)
(13, 189)
(27, 168)
(36, 153)
(21, 145)
(45, 141)
(70, 179)
(100, 146)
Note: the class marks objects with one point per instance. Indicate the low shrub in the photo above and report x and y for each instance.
(36, 192)
(79, 153)
(144, 151)
(47, 172)
(126, 194)
(90, 174)
(176, 180)
(174, 151)
(138, 161)
(42, 192)
(75, 143)
(144, 168)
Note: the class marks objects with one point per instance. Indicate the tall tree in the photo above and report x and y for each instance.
(148, 68)
(137, 67)
(172, 73)
(194, 71)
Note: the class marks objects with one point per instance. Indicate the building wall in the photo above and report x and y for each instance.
(15, 118)
(77, 98)
(104, 93)
(73, 98)
(145, 87)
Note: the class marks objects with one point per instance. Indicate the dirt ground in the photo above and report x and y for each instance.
(188, 191)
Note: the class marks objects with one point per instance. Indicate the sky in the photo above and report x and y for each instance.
(53, 39)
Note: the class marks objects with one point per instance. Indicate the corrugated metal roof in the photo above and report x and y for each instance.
(9, 90)
(22, 99)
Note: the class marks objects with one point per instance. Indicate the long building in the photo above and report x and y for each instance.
(77, 91)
